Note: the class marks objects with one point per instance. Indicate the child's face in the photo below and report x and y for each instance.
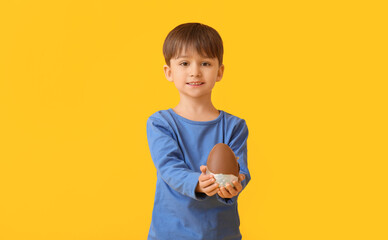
(189, 67)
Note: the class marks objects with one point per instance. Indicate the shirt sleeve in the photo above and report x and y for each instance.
(169, 161)
(238, 143)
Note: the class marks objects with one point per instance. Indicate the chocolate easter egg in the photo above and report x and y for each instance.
(222, 160)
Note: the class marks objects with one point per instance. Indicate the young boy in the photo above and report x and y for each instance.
(188, 203)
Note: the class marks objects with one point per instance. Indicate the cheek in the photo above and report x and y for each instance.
(178, 75)
(212, 74)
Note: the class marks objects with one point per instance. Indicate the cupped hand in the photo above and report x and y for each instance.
(229, 191)
(206, 183)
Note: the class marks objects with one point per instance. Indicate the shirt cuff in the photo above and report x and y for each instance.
(194, 180)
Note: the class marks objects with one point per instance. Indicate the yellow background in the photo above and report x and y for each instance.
(78, 80)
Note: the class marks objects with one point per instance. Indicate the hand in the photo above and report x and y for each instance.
(206, 183)
(230, 191)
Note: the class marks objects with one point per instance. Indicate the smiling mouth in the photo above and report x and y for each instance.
(195, 84)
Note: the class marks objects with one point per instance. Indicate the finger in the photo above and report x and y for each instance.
(212, 192)
(207, 183)
(241, 177)
(220, 194)
(231, 189)
(203, 169)
(211, 187)
(237, 186)
(225, 192)
(203, 177)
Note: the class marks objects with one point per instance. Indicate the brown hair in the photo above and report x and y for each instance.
(201, 37)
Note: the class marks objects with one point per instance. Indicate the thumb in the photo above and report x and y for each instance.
(241, 177)
(203, 169)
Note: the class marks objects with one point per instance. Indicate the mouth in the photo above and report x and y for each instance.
(195, 83)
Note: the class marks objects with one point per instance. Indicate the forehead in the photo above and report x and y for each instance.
(190, 52)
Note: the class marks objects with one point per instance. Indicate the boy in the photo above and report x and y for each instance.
(188, 203)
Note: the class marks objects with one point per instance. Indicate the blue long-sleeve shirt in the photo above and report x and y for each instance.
(179, 146)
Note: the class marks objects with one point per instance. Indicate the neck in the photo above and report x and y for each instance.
(202, 104)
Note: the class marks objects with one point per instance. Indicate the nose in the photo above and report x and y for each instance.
(195, 70)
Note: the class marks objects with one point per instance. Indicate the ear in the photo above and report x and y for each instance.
(220, 73)
(167, 72)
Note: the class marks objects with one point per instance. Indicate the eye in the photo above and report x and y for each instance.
(183, 63)
(206, 64)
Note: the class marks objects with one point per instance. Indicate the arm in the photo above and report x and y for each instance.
(168, 159)
(238, 144)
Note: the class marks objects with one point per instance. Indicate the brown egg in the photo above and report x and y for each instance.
(222, 160)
